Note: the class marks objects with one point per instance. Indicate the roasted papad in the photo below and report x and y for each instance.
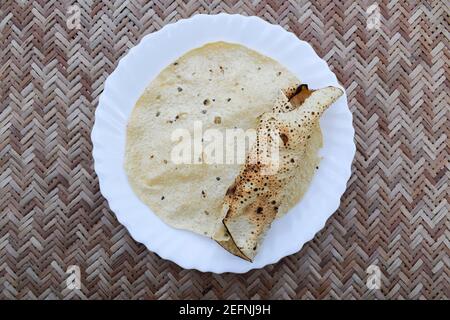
(254, 199)
(222, 86)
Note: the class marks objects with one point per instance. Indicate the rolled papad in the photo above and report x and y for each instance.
(253, 201)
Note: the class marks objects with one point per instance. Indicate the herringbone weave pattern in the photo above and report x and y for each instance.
(395, 213)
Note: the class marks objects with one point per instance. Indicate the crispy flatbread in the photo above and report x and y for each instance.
(253, 201)
(220, 85)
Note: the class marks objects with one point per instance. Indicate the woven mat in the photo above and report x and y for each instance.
(394, 214)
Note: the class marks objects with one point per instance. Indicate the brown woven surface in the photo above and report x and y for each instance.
(395, 213)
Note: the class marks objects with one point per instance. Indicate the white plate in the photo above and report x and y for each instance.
(143, 63)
